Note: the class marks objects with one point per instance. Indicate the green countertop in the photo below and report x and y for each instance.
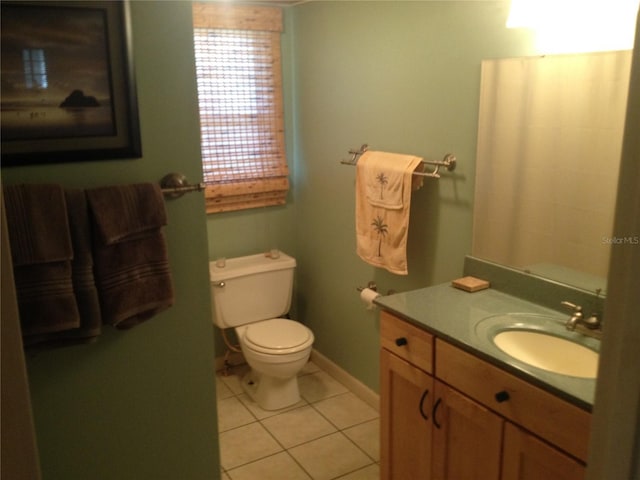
(454, 315)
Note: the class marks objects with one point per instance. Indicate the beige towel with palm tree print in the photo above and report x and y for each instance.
(383, 200)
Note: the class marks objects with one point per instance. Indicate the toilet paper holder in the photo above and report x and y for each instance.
(372, 286)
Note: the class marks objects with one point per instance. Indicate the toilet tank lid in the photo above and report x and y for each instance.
(251, 264)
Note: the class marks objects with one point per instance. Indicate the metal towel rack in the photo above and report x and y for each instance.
(174, 185)
(449, 162)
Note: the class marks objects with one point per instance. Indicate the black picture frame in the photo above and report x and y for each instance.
(68, 84)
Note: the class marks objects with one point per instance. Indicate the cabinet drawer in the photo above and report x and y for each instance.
(406, 341)
(559, 422)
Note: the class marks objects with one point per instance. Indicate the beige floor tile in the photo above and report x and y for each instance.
(222, 390)
(367, 437)
(232, 413)
(250, 449)
(329, 457)
(234, 379)
(232, 382)
(246, 444)
(318, 386)
(372, 472)
(345, 410)
(298, 426)
(276, 467)
(260, 413)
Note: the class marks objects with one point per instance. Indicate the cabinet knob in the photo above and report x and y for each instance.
(502, 396)
(401, 341)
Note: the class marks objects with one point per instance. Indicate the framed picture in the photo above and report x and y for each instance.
(68, 89)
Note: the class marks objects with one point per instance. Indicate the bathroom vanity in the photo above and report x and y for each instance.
(454, 404)
(492, 385)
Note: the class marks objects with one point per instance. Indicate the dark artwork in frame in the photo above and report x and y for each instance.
(68, 89)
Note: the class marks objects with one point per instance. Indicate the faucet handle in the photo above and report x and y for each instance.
(593, 322)
(572, 306)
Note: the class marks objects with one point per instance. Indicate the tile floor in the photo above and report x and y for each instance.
(329, 434)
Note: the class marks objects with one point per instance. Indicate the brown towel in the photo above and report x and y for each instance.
(84, 286)
(123, 211)
(130, 253)
(41, 251)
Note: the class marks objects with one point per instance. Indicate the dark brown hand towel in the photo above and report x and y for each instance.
(41, 251)
(130, 253)
(38, 226)
(123, 211)
(84, 286)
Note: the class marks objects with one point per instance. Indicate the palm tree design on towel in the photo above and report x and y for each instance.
(381, 229)
(382, 179)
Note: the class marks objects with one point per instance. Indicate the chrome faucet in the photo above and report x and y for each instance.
(591, 326)
(576, 316)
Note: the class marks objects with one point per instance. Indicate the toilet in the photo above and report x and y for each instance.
(251, 294)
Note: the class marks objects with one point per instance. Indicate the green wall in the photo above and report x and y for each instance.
(403, 77)
(140, 404)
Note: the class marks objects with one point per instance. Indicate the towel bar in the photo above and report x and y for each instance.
(175, 185)
(449, 162)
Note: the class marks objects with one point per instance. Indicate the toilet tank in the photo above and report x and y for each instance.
(252, 288)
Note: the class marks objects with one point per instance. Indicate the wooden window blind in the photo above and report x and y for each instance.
(238, 69)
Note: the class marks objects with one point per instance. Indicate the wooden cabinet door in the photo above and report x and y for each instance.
(536, 410)
(406, 394)
(527, 458)
(467, 438)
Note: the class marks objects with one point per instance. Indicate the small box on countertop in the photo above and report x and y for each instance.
(470, 284)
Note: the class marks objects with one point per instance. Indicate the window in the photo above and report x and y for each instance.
(238, 70)
(35, 68)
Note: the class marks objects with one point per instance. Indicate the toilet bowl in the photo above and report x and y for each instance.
(276, 350)
(251, 294)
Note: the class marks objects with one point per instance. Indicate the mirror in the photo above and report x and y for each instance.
(549, 143)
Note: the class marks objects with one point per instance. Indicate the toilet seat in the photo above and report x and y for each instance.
(277, 336)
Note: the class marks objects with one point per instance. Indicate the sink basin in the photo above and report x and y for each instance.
(543, 342)
(548, 352)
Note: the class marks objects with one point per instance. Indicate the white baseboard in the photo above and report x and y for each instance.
(356, 386)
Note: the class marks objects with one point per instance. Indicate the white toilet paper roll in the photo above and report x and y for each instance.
(367, 295)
